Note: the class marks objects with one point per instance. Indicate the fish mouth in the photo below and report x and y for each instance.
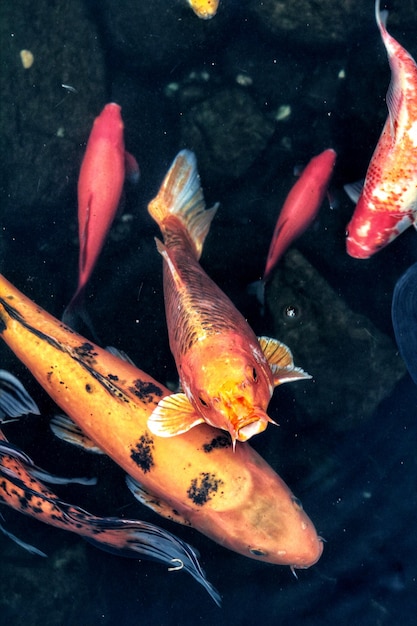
(252, 425)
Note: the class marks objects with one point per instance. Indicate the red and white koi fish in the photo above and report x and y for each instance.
(301, 206)
(22, 490)
(227, 374)
(387, 204)
(100, 187)
(205, 9)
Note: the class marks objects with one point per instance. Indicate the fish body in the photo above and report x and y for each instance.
(404, 318)
(233, 497)
(204, 9)
(387, 204)
(100, 185)
(226, 376)
(301, 206)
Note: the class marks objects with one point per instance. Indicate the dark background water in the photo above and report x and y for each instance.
(347, 443)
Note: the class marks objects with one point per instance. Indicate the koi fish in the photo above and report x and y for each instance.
(301, 206)
(387, 204)
(21, 489)
(227, 374)
(404, 318)
(235, 498)
(205, 9)
(100, 185)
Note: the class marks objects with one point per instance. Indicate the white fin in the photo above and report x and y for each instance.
(281, 362)
(173, 416)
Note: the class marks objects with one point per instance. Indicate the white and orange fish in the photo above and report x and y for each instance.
(204, 9)
(227, 374)
(100, 185)
(387, 204)
(301, 206)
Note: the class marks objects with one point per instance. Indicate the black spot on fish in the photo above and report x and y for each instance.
(86, 351)
(113, 377)
(88, 388)
(142, 454)
(145, 391)
(222, 441)
(203, 487)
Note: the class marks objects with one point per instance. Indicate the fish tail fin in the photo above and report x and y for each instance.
(181, 195)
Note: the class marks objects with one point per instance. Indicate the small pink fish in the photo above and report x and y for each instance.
(387, 204)
(301, 206)
(100, 187)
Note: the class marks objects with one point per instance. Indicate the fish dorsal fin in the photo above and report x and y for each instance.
(181, 195)
(154, 502)
(64, 428)
(174, 415)
(164, 252)
(280, 361)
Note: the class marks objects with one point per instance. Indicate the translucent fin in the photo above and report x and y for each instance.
(154, 503)
(174, 415)
(354, 190)
(14, 399)
(21, 543)
(7, 448)
(64, 428)
(281, 362)
(181, 195)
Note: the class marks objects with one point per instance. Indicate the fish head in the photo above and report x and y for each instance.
(371, 228)
(231, 391)
(262, 520)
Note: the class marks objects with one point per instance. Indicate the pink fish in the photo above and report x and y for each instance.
(301, 206)
(100, 187)
(387, 204)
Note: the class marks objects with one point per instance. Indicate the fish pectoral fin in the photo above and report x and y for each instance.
(354, 190)
(281, 362)
(64, 428)
(154, 502)
(174, 415)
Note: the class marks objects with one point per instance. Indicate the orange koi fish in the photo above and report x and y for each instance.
(387, 204)
(100, 187)
(195, 479)
(301, 206)
(227, 374)
(205, 9)
(21, 489)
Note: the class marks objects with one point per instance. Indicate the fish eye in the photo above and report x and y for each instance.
(202, 401)
(257, 552)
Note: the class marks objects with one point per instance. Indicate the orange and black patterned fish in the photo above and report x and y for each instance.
(233, 497)
(22, 490)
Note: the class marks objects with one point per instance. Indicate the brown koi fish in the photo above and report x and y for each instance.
(234, 498)
(227, 374)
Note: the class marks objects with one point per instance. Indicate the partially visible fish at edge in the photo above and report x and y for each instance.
(387, 204)
(204, 9)
(404, 318)
(21, 489)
